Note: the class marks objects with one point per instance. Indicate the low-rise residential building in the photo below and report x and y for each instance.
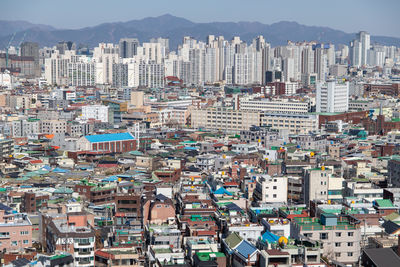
(15, 231)
(340, 236)
(271, 189)
(293, 123)
(224, 119)
(118, 142)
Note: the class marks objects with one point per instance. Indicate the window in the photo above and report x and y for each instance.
(338, 234)
(337, 244)
(14, 243)
(24, 232)
(323, 236)
(274, 187)
(274, 195)
(350, 254)
(337, 254)
(26, 242)
(350, 233)
(349, 244)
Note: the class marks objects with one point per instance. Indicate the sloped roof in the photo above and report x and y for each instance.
(233, 240)
(383, 256)
(384, 203)
(233, 206)
(221, 191)
(270, 237)
(161, 197)
(390, 227)
(245, 249)
(20, 262)
(59, 170)
(63, 190)
(393, 217)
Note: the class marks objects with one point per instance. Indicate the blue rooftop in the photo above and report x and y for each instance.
(109, 137)
(270, 237)
(222, 191)
(245, 249)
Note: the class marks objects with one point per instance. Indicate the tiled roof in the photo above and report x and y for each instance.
(233, 240)
(391, 227)
(384, 203)
(393, 217)
(245, 249)
(383, 256)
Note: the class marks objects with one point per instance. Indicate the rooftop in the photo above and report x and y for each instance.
(109, 137)
(207, 256)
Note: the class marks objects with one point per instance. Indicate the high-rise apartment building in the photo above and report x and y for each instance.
(360, 49)
(364, 39)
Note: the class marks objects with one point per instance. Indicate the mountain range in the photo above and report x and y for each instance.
(175, 28)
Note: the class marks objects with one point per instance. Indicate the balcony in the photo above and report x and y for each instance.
(84, 262)
(83, 243)
(84, 253)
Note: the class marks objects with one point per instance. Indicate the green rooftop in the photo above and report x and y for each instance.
(384, 203)
(199, 218)
(233, 240)
(60, 256)
(162, 250)
(332, 211)
(292, 210)
(395, 217)
(207, 256)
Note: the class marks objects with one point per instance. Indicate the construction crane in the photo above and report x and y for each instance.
(8, 46)
(20, 43)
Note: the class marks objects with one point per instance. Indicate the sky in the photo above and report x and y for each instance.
(378, 17)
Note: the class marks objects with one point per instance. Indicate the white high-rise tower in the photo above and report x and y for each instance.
(333, 96)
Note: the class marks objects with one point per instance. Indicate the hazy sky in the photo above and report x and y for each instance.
(379, 17)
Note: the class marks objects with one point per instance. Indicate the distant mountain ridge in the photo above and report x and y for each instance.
(176, 28)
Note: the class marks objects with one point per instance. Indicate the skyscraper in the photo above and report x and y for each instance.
(128, 47)
(364, 39)
(333, 96)
(163, 41)
(64, 46)
(360, 49)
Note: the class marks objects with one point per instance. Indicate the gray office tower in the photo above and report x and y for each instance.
(128, 47)
(30, 49)
(64, 46)
(163, 41)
